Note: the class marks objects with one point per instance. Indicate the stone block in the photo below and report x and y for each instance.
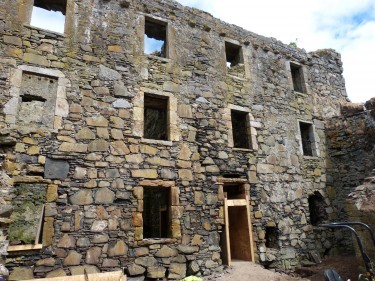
(156, 272)
(106, 73)
(166, 252)
(98, 146)
(56, 169)
(73, 147)
(93, 255)
(97, 121)
(134, 269)
(118, 248)
(21, 273)
(73, 258)
(35, 59)
(82, 197)
(80, 270)
(145, 173)
(85, 134)
(121, 103)
(56, 273)
(177, 271)
(67, 241)
(99, 225)
(104, 196)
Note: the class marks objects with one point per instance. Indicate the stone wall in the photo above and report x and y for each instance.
(94, 162)
(360, 207)
(351, 149)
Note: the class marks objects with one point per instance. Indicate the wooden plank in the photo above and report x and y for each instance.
(250, 229)
(38, 238)
(106, 276)
(237, 202)
(227, 237)
(28, 247)
(239, 233)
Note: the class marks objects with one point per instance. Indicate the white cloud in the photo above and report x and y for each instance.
(345, 25)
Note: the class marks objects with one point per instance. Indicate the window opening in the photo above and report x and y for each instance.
(307, 138)
(155, 117)
(155, 38)
(297, 76)
(240, 129)
(233, 54)
(234, 191)
(27, 216)
(272, 237)
(156, 212)
(317, 208)
(49, 15)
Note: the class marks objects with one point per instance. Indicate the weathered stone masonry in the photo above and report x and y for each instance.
(90, 162)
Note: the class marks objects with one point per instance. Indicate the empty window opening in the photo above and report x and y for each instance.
(30, 98)
(317, 208)
(156, 212)
(272, 237)
(155, 38)
(233, 54)
(49, 15)
(155, 117)
(307, 138)
(234, 191)
(240, 129)
(297, 76)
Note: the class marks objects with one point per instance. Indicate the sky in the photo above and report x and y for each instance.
(347, 26)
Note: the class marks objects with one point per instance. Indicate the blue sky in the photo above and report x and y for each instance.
(347, 26)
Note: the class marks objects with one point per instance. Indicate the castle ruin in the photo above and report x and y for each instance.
(221, 145)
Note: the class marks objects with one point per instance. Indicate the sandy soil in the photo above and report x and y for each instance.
(246, 271)
(346, 266)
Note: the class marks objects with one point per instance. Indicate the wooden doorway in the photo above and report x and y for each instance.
(237, 240)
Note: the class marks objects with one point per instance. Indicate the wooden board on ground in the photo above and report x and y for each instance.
(106, 276)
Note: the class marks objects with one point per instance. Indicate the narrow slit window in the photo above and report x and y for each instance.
(155, 38)
(297, 77)
(233, 54)
(307, 138)
(155, 117)
(317, 208)
(156, 215)
(48, 14)
(272, 237)
(240, 129)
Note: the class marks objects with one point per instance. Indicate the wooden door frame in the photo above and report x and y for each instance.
(235, 203)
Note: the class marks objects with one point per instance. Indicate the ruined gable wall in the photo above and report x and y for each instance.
(94, 207)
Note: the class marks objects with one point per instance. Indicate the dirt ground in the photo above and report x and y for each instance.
(346, 266)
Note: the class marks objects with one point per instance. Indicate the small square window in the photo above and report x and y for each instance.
(233, 54)
(240, 129)
(156, 212)
(155, 117)
(155, 38)
(48, 14)
(297, 77)
(307, 139)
